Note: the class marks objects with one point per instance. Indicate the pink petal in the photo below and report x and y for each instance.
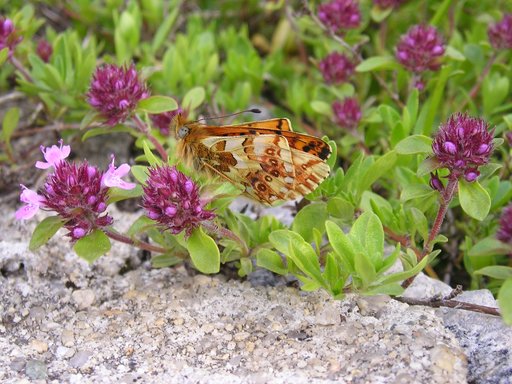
(26, 212)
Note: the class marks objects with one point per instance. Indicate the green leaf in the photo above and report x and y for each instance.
(92, 246)
(392, 289)
(321, 107)
(379, 168)
(164, 29)
(4, 54)
(377, 63)
(165, 260)
(10, 122)
(204, 252)
(474, 199)
(400, 276)
(489, 246)
(364, 269)
(340, 208)
(45, 231)
(505, 301)
(193, 98)
(370, 233)
(157, 104)
(430, 164)
(305, 257)
(105, 131)
(150, 157)
(341, 244)
(271, 260)
(414, 144)
(118, 194)
(496, 272)
(281, 238)
(441, 11)
(310, 217)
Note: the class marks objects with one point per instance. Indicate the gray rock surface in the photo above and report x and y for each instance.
(65, 321)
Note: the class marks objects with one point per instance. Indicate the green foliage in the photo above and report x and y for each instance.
(378, 192)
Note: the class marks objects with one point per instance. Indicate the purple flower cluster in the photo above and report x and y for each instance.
(336, 68)
(500, 33)
(115, 92)
(505, 230)
(420, 49)
(463, 144)
(347, 113)
(76, 192)
(8, 37)
(340, 14)
(172, 199)
(388, 3)
(163, 121)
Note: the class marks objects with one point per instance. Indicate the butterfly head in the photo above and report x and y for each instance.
(180, 126)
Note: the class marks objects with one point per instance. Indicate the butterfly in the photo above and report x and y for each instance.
(266, 157)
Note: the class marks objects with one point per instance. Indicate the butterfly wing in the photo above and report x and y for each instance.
(271, 161)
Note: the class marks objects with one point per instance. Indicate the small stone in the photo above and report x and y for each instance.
(372, 305)
(83, 298)
(17, 364)
(36, 370)
(67, 338)
(80, 358)
(39, 346)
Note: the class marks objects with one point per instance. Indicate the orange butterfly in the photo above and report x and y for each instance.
(270, 160)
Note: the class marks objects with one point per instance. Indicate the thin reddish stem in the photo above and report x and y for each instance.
(145, 130)
(136, 243)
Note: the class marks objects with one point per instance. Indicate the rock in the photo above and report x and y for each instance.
(39, 346)
(67, 338)
(80, 358)
(36, 370)
(83, 298)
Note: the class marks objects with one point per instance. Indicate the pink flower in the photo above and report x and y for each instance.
(420, 48)
(347, 113)
(8, 37)
(340, 14)
(172, 200)
(32, 203)
(336, 68)
(53, 155)
(76, 193)
(463, 144)
(500, 33)
(115, 92)
(112, 177)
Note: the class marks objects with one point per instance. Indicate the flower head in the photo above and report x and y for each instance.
(508, 137)
(53, 155)
(505, 230)
(340, 14)
(112, 177)
(383, 4)
(500, 33)
(8, 37)
(44, 50)
(336, 68)
(462, 144)
(76, 193)
(115, 92)
(420, 48)
(172, 199)
(164, 120)
(347, 113)
(32, 203)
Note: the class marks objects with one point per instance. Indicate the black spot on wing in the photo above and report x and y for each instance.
(325, 152)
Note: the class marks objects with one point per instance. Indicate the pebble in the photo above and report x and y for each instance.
(36, 370)
(39, 346)
(83, 298)
(67, 338)
(80, 358)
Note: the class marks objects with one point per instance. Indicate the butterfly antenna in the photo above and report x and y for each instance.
(253, 110)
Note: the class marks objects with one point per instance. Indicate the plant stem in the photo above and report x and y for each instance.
(446, 198)
(136, 243)
(450, 304)
(21, 69)
(226, 233)
(145, 130)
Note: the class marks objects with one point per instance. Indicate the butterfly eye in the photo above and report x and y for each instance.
(183, 132)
